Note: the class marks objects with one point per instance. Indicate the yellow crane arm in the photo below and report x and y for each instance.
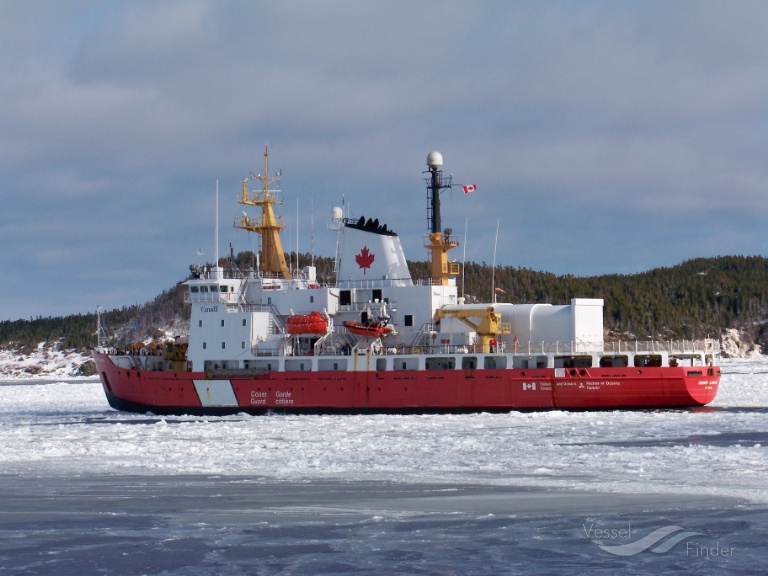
(486, 322)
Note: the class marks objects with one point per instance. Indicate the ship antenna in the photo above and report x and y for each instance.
(216, 264)
(312, 226)
(464, 260)
(98, 326)
(493, 273)
(435, 184)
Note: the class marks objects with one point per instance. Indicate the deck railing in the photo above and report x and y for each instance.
(672, 347)
(707, 346)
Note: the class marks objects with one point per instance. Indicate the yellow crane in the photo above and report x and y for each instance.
(485, 321)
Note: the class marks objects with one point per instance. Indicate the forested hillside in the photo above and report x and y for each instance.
(698, 298)
(694, 299)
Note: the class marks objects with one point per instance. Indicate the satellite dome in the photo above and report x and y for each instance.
(337, 213)
(434, 159)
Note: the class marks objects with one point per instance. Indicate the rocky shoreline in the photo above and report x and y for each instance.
(45, 362)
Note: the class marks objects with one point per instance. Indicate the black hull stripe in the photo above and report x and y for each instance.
(140, 408)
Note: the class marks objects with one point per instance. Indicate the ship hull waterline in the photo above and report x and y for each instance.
(407, 391)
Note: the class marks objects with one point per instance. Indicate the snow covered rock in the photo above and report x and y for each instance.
(44, 362)
(734, 346)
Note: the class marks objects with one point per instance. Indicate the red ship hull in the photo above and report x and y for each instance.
(405, 391)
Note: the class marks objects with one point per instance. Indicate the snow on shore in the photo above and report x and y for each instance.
(43, 362)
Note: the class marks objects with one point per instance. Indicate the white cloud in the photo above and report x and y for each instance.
(123, 115)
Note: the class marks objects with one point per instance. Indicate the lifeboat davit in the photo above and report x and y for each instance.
(374, 330)
(312, 323)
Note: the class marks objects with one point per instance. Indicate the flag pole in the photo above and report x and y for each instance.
(216, 239)
(493, 274)
(464, 260)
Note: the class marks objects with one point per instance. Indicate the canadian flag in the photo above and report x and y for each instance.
(469, 188)
(529, 385)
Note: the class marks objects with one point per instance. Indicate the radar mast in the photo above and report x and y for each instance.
(439, 241)
(271, 253)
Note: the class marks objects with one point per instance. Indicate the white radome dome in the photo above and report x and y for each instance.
(337, 213)
(434, 159)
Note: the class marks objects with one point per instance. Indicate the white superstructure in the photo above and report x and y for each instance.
(239, 319)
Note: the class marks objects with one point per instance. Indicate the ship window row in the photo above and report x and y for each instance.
(200, 323)
(342, 364)
(622, 361)
(224, 345)
(463, 362)
(211, 288)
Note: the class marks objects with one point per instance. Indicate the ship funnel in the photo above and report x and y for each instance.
(370, 254)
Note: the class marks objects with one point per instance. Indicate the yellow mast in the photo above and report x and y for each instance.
(271, 254)
(440, 268)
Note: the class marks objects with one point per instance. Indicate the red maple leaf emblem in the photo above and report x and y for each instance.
(365, 258)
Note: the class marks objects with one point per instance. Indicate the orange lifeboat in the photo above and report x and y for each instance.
(374, 330)
(312, 323)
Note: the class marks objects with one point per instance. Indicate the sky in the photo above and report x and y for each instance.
(604, 137)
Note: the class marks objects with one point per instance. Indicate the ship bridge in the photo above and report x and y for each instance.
(213, 285)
